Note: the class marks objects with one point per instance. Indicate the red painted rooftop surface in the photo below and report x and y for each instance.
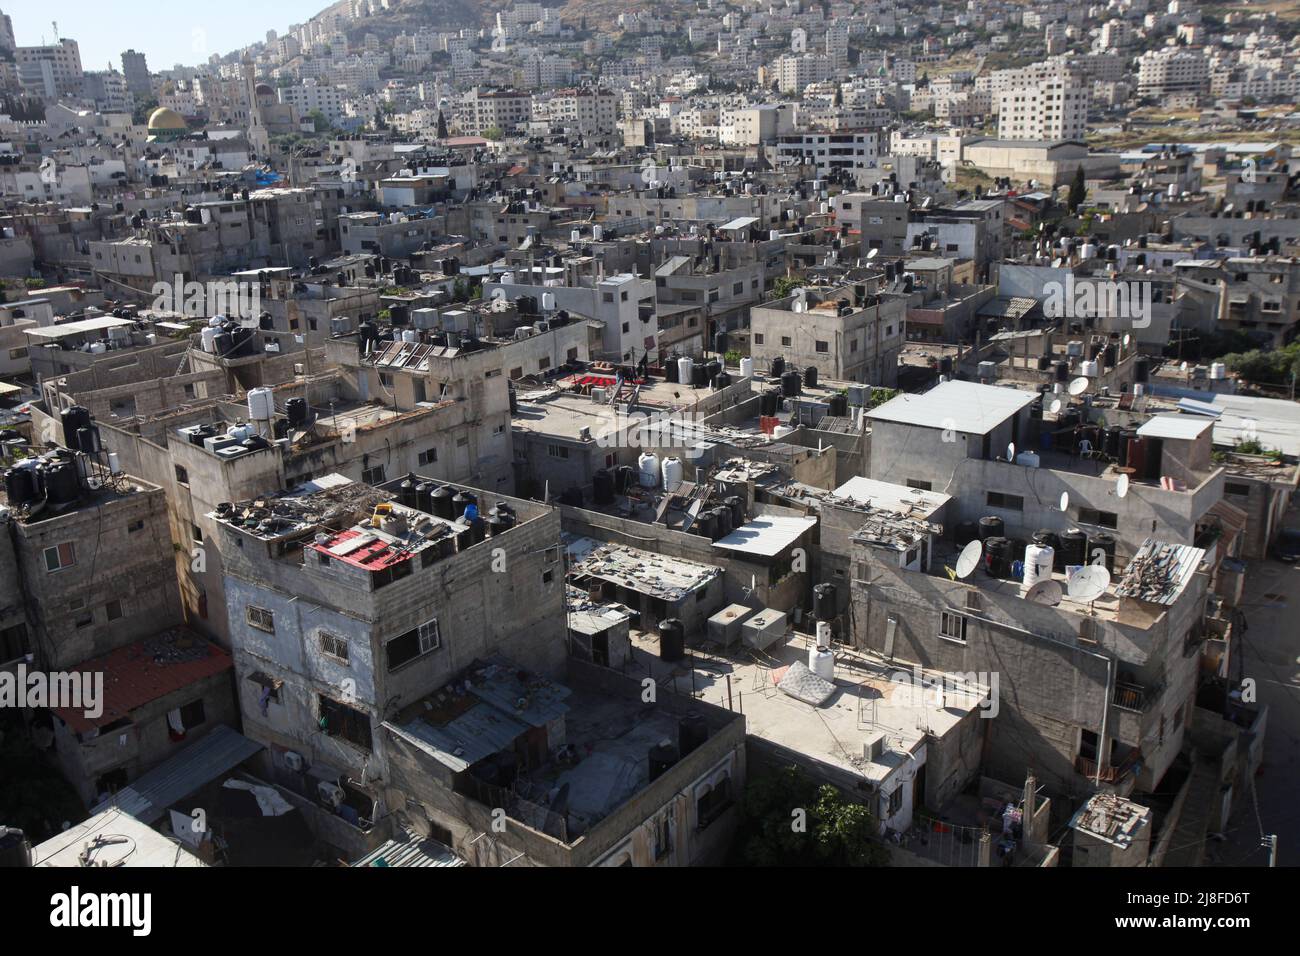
(374, 556)
(138, 673)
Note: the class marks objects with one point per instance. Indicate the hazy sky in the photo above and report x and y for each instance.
(167, 32)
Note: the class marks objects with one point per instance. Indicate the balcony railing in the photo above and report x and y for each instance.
(1113, 774)
(1130, 697)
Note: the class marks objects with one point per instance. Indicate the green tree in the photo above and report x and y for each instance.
(785, 286)
(442, 125)
(1078, 190)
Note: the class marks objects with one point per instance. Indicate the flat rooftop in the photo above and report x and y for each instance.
(866, 703)
(966, 407)
(142, 846)
(646, 572)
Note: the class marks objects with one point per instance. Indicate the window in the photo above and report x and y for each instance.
(334, 646)
(895, 800)
(340, 720)
(952, 626)
(192, 714)
(1236, 488)
(373, 476)
(60, 556)
(260, 618)
(557, 451)
(84, 620)
(713, 803)
(997, 499)
(114, 610)
(785, 340)
(758, 338)
(919, 484)
(1105, 519)
(823, 346)
(544, 362)
(548, 577)
(663, 836)
(428, 456)
(182, 475)
(414, 643)
(196, 533)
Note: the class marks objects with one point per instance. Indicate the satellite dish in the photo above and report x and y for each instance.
(969, 559)
(1045, 592)
(1011, 452)
(1127, 339)
(1054, 406)
(1078, 386)
(1121, 486)
(872, 253)
(1065, 501)
(1089, 583)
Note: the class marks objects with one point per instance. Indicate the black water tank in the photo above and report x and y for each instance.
(662, 758)
(461, 501)
(62, 483)
(692, 732)
(967, 531)
(791, 384)
(706, 525)
(443, 502)
(424, 496)
(825, 606)
(672, 639)
(670, 370)
(15, 850)
(602, 487)
(778, 367)
(945, 366)
(699, 374)
(737, 506)
(22, 485)
(477, 530)
(1106, 544)
(721, 381)
(88, 440)
(295, 409)
(74, 419)
(1110, 438)
(1044, 362)
(810, 376)
(769, 403)
(1141, 369)
(399, 315)
(1074, 548)
(1154, 460)
(991, 526)
(496, 524)
(997, 557)
(720, 342)
(406, 490)
(1062, 371)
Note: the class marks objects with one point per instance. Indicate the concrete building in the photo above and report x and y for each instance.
(1054, 108)
(853, 334)
(47, 71)
(136, 71)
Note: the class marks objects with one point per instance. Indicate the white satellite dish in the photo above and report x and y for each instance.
(1011, 452)
(1078, 386)
(1054, 406)
(1045, 592)
(872, 253)
(1121, 486)
(1089, 583)
(1065, 501)
(1127, 339)
(969, 559)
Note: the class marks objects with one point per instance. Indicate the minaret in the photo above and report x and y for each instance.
(259, 141)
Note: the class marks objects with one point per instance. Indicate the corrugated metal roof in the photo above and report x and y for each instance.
(409, 850)
(1179, 427)
(463, 741)
(1159, 572)
(220, 751)
(965, 407)
(767, 535)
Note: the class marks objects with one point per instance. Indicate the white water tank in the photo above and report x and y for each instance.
(575, 235)
(747, 367)
(215, 321)
(1089, 251)
(1218, 371)
(674, 472)
(684, 367)
(1088, 368)
(1038, 563)
(209, 337)
(410, 335)
(1029, 459)
(239, 432)
(823, 633)
(822, 662)
(261, 404)
(114, 463)
(780, 431)
(548, 301)
(597, 232)
(648, 467)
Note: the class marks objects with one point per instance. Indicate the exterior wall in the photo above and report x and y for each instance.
(876, 331)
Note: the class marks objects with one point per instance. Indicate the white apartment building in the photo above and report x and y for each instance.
(1049, 110)
(587, 111)
(481, 110)
(59, 63)
(853, 150)
(312, 96)
(1162, 72)
(752, 125)
(793, 73)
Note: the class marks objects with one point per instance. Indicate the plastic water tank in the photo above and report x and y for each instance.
(674, 472)
(1088, 369)
(672, 639)
(261, 404)
(684, 368)
(822, 662)
(1039, 559)
(1029, 459)
(747, 368)
(209, 337)
(648, 469)
(1218, 371)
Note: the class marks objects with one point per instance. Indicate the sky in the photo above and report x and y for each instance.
(167, 32)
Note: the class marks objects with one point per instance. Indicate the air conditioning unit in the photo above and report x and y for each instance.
(330, 794)
(293, 761)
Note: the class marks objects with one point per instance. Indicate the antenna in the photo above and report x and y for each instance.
(1045, 592)
(969, 559)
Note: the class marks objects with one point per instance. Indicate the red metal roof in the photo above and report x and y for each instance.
(374, 556)
(144, 671)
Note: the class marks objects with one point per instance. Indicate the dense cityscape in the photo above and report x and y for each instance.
(687, 434)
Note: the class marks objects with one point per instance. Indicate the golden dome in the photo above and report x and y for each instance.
(164, 119)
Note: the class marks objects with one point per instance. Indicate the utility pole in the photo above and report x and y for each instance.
(1270, 840)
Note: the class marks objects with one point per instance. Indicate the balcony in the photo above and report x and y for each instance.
(1113, 774)
(1133, 697)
